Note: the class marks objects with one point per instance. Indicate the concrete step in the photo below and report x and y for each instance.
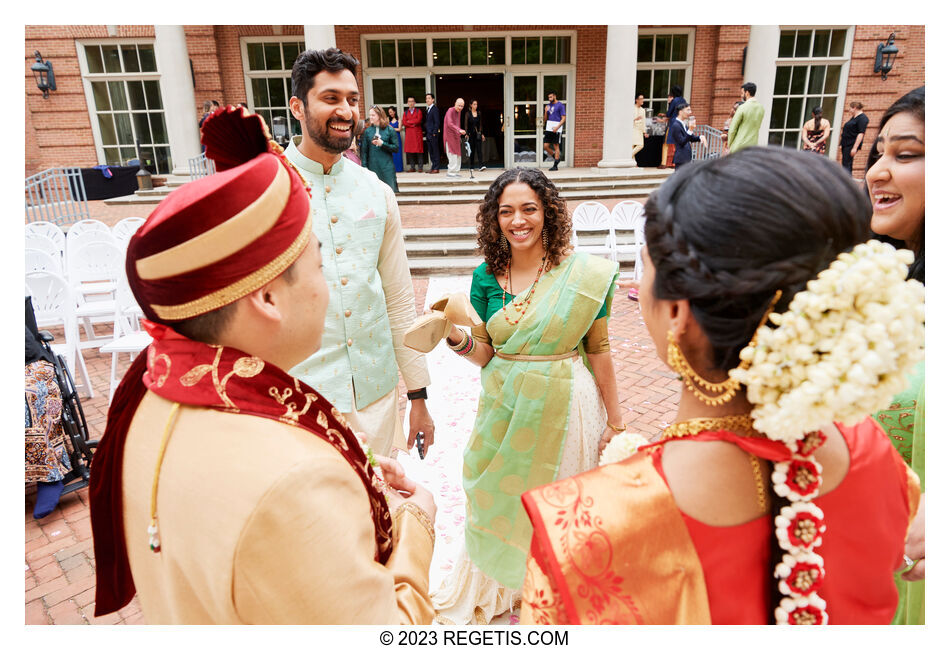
(427, 266)
(465, 186)
(446, 248)
(635, 194)
(422, 189)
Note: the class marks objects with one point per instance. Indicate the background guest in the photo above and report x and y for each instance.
(394, 123)
(412, 124)
(432, 127)
(815, 132)
(852, 135)
(377, 148)
(639, 126)
(452, 135)
(474, 134)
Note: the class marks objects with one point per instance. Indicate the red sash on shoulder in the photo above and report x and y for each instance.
(185, 371)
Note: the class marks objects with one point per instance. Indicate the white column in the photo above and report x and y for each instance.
(178, 95)
(620, 83)
(760, 69)
(319, 37)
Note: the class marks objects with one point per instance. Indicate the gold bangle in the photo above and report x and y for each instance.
(620, 429)
(421, 516)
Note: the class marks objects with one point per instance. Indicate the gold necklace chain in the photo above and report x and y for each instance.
(736, 423)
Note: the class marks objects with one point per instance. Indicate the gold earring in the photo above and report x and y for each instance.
(544, 240)
(722, 392)
(504, 244)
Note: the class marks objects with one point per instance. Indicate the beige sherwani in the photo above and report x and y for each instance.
(261, 522)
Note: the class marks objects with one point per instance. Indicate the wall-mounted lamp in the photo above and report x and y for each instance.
(43, 71)
(884, 59)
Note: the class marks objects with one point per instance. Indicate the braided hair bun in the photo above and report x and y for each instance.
(728, 233)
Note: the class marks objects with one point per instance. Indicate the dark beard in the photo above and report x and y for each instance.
(325, 137)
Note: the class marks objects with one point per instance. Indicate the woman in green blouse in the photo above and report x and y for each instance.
(379, 144)
(549, 394)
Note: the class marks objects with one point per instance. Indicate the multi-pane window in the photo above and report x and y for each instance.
(664, 60)
(392, 53)
(127, 104)
(268, 66)
(527, 50)
(468, 51)
(811, 76)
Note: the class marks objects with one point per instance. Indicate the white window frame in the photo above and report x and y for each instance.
(844, 60)
(687, 66)
(88, 78)
(505, 68)
(267, 74)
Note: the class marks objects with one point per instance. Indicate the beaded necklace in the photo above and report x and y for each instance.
(520, 307)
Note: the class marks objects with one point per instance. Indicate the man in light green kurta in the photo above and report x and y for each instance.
(744, 128)
(372, 302)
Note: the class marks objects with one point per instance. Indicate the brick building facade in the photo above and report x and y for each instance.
(98, 108)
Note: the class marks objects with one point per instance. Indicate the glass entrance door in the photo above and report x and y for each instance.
(524, 121)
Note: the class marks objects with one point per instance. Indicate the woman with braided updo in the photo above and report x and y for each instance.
(773, 497)
(549, 393)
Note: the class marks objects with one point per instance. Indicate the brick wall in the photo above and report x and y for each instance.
(228, 49)
(867, 87)
(57, 129)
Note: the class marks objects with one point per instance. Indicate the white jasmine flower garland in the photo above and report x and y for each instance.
(621, 446)
(842, 350)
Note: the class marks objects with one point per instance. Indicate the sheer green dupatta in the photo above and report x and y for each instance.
(523, 411)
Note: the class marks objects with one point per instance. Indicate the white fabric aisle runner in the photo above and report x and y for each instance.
(453, 403)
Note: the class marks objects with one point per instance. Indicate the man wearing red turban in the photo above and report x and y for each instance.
(224, 490)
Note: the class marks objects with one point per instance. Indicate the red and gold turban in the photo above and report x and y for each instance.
(219, 238)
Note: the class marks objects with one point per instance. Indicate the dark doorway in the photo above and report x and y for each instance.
(489, 90)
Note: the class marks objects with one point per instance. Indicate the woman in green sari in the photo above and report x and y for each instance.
(549, 393)
(895, 182)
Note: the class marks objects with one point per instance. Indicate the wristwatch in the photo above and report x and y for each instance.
(417, 394)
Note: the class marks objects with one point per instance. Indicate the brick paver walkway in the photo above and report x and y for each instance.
(59, 565)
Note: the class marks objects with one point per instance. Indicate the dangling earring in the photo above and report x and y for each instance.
(504, 244)
(544, 240)
(723, 391)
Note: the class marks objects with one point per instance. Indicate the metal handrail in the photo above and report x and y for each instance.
(57, 195)
(714, 146)
(200, 166)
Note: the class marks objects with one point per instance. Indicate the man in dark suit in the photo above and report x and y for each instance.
(432, 126)
(681, 136)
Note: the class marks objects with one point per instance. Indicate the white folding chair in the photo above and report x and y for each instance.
(126, 337)
(628, 221)
(38, 242)
(593, 217)
(124, 230)
(48, 229)
(94, 269)
(37, 260)
(53, 305)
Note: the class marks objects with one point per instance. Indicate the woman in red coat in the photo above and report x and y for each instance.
(412, 143)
